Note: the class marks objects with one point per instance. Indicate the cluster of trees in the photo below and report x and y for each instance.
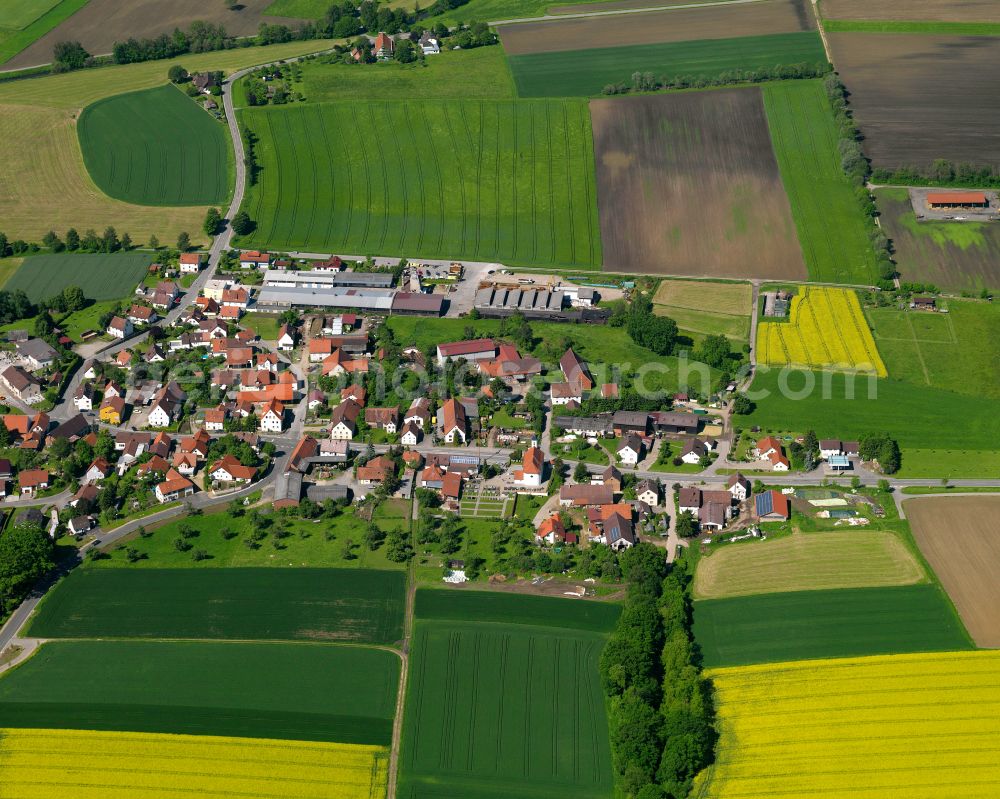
(200, 37)
(880, 447)
(648, 82)
(15, 305)
(25, 557)
(858, 170)
(660, 709)
(940, 173)
(656, 333)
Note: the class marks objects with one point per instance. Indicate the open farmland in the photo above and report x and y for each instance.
(43, 180)
(17, 14)
(129, 765)
(701, 307)
(937, 10)
(249, 690)
(490, 708)
(961, 256)
(921, 726)
(155, 147)
(959, 350)
(101, 23)
(688, 184)
(102, 277)
(801, 625)
(334, 605)
(960, 537)
(908, 91)
(807, 562)
(488, 180)
(585, 73)
(829, 221)
(826, 329)
(24, 21)
(657, 27)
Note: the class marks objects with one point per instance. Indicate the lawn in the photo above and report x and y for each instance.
(486, 180)
(585, 73)
(494, 706)
(249, 690)
(452, 74)
(331, 605)
(829, 220)
(808, 561)
(802, 625)
(579, 450)
(863, 728)
(25, 21)
(77, 323)
(102, 277)
(502, 418)
(958, 351)
(82, 763)
(265, 325)
(156, 147)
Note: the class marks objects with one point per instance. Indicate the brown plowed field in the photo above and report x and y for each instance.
(938, 10)
(960, 537)
(101, 23)
(920, 97)
(654, 27)
(687, 184)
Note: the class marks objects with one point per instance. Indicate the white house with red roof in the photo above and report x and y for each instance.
(471, 350)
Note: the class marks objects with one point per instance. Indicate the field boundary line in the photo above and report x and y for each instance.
(920, 354)
(620, 11)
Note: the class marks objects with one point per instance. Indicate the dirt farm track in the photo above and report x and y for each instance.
(921, 97)
(688, 185)
(101, 23)
(686, 24)
(960, 537)
(937, 10)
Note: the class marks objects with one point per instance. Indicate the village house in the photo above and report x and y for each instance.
(287, 338)
(575, 371)
(173, 488)
(96, 472)
(429, 45)
(610, 477)
(343, 420)
(711, 509)
(22, 385)
(252, 259)
(532, 471)
(384, 47)
(693, 452)
(120, 328)
(112, 410)
(237, 297)
(648, 491)
(315, 400)
(630, 450)
(31, 481)
(377, 470)
(83, 397)
(354, 392)
(509, 365)
(552, 531)
(229, 470)
(385, 419)
(584, 494)
(470, 350)
(411, 434)
(617, 532)
(455, 426)
(79, 525)
(272, 417)
(190, 262)
(739, 487)
(419, 412)
(565, 393)
(38, 353)
(625, 422)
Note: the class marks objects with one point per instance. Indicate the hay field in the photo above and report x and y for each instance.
(961, 256)
(936, 10)
(688, 185)
(102, 277)
(908, 90)
(826, 329)
(156, 147)
(43, 181)
(808, 561)
(960, 537)
(488, 180)
(920, 726)
(657, 27)
(38, 764)
(704, 306)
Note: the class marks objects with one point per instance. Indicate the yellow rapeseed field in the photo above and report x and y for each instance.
(81, 764)
(826, 329)
(923, 726)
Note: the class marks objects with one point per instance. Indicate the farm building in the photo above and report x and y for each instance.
(771, 506)
(946, 200)
(497, 302)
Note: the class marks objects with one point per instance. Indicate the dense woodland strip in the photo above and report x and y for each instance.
(660, 708)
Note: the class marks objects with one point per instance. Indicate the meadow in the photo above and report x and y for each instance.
(585, 73)
(826, 329)
(958, 351)
(156, 147)
(499, 707)
(262, 690)
(41, 165)
(503, 608)
(36, 764)
(25, 21)
(808, 562)
(102, 277)
(701, 307)
(830, 222)
(921, 726)
(801, 625)
(331, 605)
(485, 180)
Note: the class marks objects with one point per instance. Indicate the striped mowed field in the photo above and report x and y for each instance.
(923, 726)
(511, 181)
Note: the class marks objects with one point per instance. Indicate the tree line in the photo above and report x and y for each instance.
(940, 173)
(25, 557)
(660, 709)
(648, 82)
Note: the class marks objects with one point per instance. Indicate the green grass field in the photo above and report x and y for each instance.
(917, 416)
(803, 625)
(912, 26)
(495, 706)
(8, 267)
(330, 605)
(488, 606)
(829, 221)
(452, 74)
(958, 351)
(102, 277)
(511, 181)
(24, 21)
(585, 73)
(268, 690)
(156, 147)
